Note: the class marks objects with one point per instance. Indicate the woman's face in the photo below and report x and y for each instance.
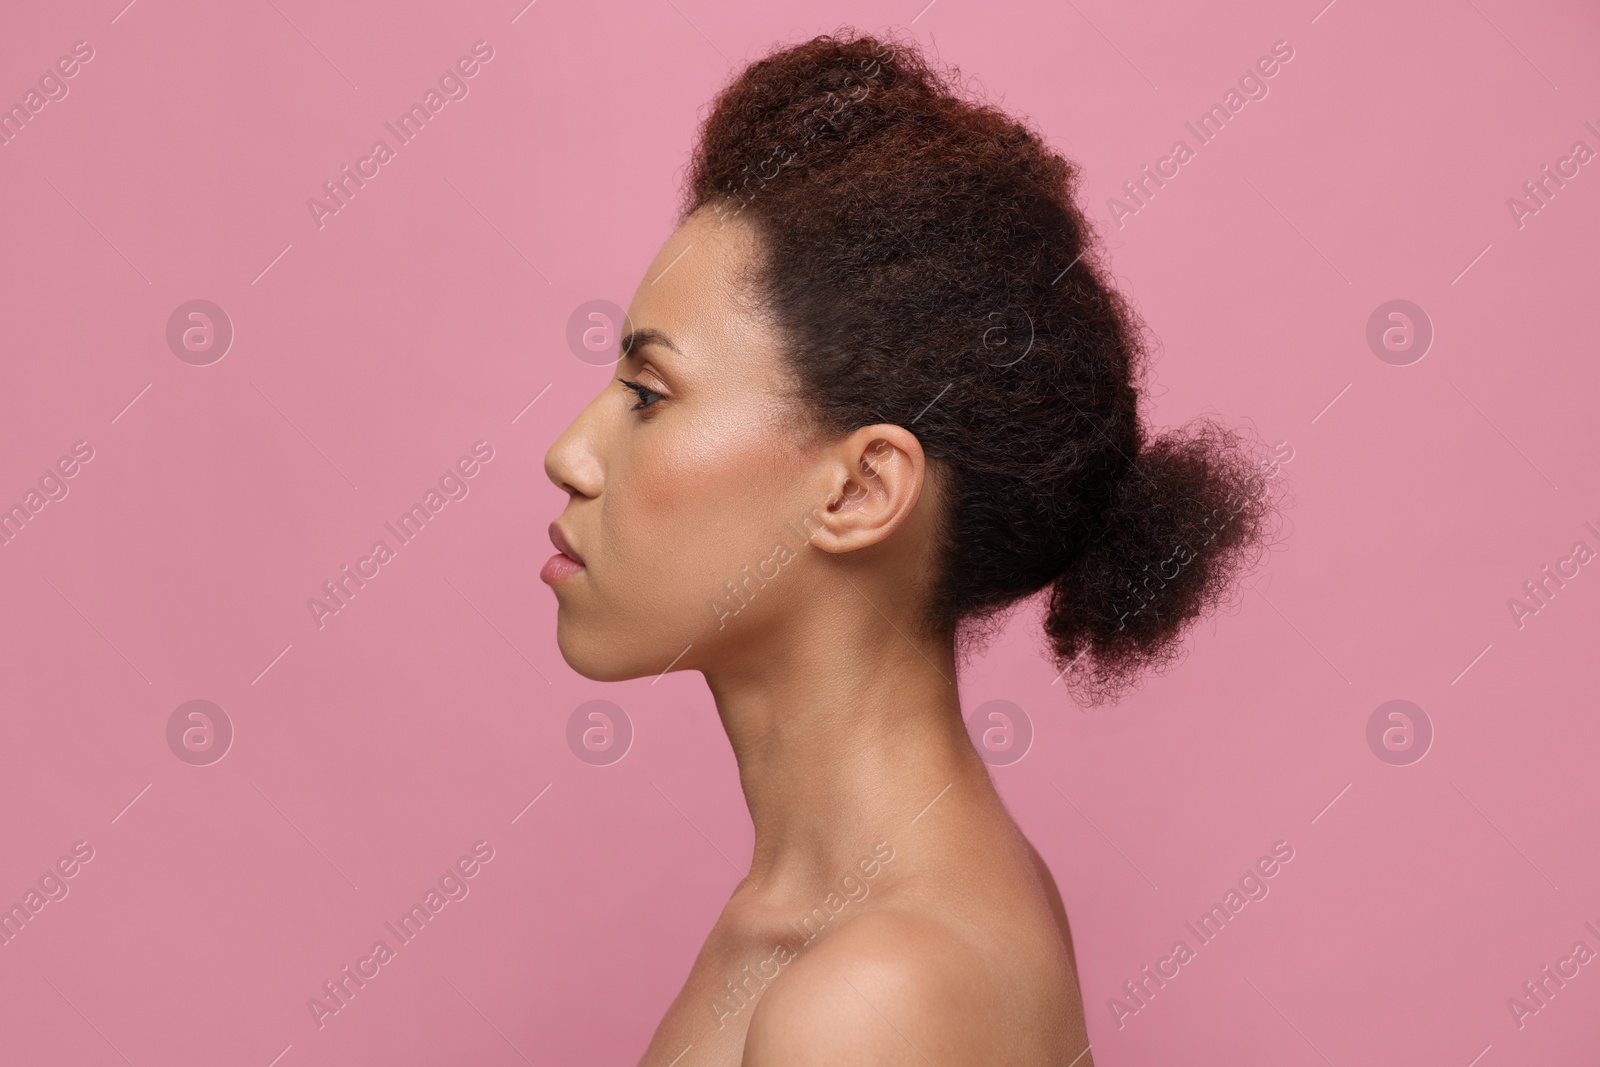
(682, 480)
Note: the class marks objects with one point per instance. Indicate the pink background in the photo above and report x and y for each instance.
(370, 353)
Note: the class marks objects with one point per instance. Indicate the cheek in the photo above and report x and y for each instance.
(685, 515)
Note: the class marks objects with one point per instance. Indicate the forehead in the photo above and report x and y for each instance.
(697, 291)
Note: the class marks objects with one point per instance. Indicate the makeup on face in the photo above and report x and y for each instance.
(565, 563)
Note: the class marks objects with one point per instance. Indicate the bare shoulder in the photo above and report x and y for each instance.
(888, 988)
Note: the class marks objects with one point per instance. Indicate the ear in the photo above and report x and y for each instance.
(877, 475)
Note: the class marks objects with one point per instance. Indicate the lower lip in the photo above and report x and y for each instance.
(559, 568)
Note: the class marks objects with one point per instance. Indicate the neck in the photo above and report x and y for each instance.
(843, 736)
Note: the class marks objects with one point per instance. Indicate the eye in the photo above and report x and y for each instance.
(647, 397)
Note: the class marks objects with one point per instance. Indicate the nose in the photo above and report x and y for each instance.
(572, 462)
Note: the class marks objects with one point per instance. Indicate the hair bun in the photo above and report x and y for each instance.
(1178, 528)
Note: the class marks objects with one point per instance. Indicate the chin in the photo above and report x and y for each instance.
(599, 660)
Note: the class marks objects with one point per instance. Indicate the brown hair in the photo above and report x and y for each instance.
(927, 263)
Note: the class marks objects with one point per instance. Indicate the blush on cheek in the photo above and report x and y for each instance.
(689, 508)
(660, 486)
(701, 478)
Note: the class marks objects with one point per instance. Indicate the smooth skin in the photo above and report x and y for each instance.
(841, 709)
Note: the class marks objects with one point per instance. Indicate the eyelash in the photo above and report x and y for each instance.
(644, 395)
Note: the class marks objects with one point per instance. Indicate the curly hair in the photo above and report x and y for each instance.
(926, 262)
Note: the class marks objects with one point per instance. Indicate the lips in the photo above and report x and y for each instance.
(563, 546)
(565, 564)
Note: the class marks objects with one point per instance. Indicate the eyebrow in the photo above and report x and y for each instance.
(636, 338)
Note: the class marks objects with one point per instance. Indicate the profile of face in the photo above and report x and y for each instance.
(692, 467)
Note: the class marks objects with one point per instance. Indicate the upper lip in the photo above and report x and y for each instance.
(563, 546)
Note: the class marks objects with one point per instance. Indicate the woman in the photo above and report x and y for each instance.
(875, 390)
